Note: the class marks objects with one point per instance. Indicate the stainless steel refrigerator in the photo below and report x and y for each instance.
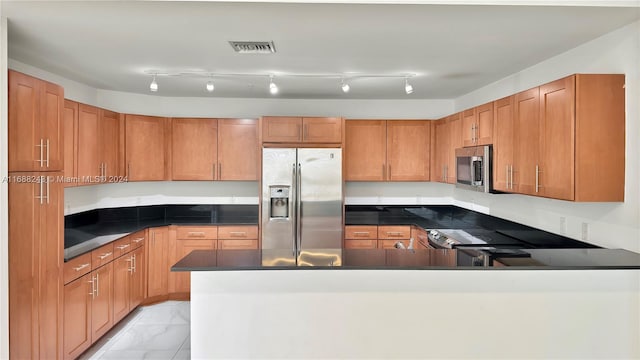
(301, 199)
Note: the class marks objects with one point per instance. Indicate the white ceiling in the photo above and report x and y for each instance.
(453, 49)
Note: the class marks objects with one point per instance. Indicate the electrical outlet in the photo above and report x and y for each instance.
(563, 225)
(585, 231)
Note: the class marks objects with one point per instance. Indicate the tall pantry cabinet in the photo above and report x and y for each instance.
(35, 217)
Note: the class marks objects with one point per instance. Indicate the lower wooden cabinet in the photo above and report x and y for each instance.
(183, 248)
(138, 279)
(128, 283)
(102, 300)
(383, 236)
(157, 261)
(77, 316)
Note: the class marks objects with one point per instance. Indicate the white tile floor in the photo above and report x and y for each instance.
(158, 331)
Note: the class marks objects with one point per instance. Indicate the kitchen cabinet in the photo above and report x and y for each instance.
(35, 262)
(420, 238)
(109, 144)
(102, 300)
(441, 141)
(89, 166)
(145, 148)
(138, 280)
(157, 252)
(408, 150)
(238, 149)
(183, 248)
(365, 150)
(128, 269)
(455, 142)
(77, 316)
(194, 149)
(35, 125)
(477, 125)
(237, 237)
(526, 140)
(387, 150)
(503, 146)
(183, 240)
(70, 130)
(376, 237)
(301, 129)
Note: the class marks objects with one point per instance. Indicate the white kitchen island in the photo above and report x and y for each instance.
(416, 313)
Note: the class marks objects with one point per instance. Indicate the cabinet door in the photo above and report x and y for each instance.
(77, 317)
(469, 124)
(365, 150)
(557, 139)
(361, 232)
(237, 244)
(526, 141)
(25, 150)
(441, 147)
(281, 129)
(122, 268)
(138, 278)
(408, 150)
(455, 142)
(484, 124)
(360, 244)
(70, 125)
(109, 143)
(157, 262)
(503, 144)
(322, 130)
(144, 147)
(183, 248)
(238, 149)
(89, 166)
(51, 110)
(102, 301)
(194, 149)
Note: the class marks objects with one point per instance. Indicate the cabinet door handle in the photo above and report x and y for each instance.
(40, 195)
(48, 188)
(47, 161)
(80, 267)
(93, 287)
(135, 263)
(213, 171)
(105, 255)
(538, 171)
(97, 284)
(511, 173)
(220, 171)
(129, 170)
(361, 233)
(137, 240)
(41, 146)
(238, 234)
(196, 233)
(394, 233)
(122, 247)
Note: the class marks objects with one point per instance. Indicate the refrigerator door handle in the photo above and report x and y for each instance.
(292, 208)
(299, 209)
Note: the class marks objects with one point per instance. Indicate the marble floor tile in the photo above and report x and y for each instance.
(138, 354)
(187, 343)
(151, 337)
(174, 314)
(182, 355)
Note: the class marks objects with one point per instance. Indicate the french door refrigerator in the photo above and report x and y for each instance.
(301, 199)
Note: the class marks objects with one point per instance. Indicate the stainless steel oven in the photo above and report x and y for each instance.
(473, 168)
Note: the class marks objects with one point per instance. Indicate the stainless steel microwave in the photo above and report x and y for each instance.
(473, 168)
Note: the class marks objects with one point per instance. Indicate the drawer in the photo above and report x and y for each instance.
(121, 247)
(237, 232)
(390, 244)
(420, 237)
(360, 244)
(101, 256)
(77, 267)
(197, 232)
(137, 239)
(237, 244)
(394, 232)
(361, 232)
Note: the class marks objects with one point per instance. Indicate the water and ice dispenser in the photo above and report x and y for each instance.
(279, 205)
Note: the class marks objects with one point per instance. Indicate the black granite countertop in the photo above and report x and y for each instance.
(493, 230)
(89, 230)
(387, 259)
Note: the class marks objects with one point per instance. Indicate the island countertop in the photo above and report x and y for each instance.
(397, 259)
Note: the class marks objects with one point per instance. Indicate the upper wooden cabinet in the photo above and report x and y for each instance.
(566, 140)
(35, 124)
(194, 149)
(440, 148)
(301, 129)
(144, 147)
(238, 149)
(109, 144)
(477, 125)
(88, 159)
(387, 150)
(70, 130)
(455, 142)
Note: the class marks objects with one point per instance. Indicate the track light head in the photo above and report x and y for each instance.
(154, 85)
(407, 87)
(273, 88)
(210, 86)
(345, 87)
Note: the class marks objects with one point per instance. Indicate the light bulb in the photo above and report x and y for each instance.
(345, 87)
(407, 87)
(273, 88)
(210, 86)
(154, 85)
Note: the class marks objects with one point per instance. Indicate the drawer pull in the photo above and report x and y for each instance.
(196, 233)
(106, 255)
(80, 267)
(238, 234)
(122, 247)
(360, 233)
(394, 233)
(138, 240)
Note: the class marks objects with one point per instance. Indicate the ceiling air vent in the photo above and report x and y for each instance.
(253, 47)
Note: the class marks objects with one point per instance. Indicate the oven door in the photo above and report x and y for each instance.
(472, 257)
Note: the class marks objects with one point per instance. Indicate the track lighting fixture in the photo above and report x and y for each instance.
(273, 88)
(154, 85)
(345, 86)
(210, 86)
(407, 87)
